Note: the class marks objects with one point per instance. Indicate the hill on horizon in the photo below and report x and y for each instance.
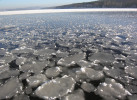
(102, 4)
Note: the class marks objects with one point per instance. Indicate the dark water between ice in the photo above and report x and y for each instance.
(69, 56)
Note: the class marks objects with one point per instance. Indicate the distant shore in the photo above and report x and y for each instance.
(68, 10)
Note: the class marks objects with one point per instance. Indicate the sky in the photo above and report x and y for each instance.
(7, 4)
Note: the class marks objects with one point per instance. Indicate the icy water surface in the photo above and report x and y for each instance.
(69, 56)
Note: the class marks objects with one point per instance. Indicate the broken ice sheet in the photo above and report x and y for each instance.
(102, 57)
(22, 50)
(75, 51)
(25, 67)
(21, 60)
(132, 71)
(7, 28)
(116, 73)
(44, 52)
(35, 67)
(21, 97)
(71, 60)
(83, 63)
(76, 95)
(110, 89)
(88, 87)
(131, 88)
(61, 54)
(63, 36)
(8, 57)
(53, 72)
(5, 72)
(80, 76)
(56, 88)
(10, 88)
(36, 80)
(93, 74)
(24, 75)
(2, 52)
(132, 97)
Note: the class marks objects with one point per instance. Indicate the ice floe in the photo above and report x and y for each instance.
(93, 74)
(53, 72)
(132, 71)
(56, 88)
(10, 88)
(88, 87)
(111, 89)
(68, 56)
(36, 80)
(102, 57)
(71, 60)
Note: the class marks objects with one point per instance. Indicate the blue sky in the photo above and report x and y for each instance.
(6, 4)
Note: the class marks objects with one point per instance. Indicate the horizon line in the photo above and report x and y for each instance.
(20, 12)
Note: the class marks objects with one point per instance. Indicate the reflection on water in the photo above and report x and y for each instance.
(69, 56)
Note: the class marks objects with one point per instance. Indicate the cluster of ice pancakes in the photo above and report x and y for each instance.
(75, 63)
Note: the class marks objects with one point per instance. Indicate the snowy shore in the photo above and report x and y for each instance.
(68, 10)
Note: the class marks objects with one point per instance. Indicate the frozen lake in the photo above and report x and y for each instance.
(68, 54)
(68, 10)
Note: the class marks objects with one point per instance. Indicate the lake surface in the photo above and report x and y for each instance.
(69, 56)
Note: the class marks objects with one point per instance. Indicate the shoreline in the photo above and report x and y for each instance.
(18, 12)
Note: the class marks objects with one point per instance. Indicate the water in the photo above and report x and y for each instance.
(83, 55)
